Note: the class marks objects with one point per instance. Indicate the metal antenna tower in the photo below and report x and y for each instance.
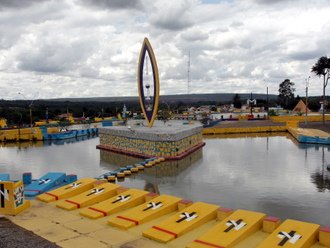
(147, 72)
(188, 74)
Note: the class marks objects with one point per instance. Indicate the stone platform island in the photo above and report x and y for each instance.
(173, 140)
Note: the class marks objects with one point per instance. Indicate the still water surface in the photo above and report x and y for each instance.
(270, 174)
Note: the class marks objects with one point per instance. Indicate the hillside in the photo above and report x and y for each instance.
(218, 97)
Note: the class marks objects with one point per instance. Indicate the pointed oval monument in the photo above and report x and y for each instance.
(148, 93)
(172, 141)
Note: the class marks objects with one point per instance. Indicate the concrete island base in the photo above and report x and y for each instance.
(173, 140)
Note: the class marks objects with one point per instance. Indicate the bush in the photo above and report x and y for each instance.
(272, 112)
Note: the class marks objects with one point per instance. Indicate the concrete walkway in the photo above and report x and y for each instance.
(69, 229)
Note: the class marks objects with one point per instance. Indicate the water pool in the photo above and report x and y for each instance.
(270, 174)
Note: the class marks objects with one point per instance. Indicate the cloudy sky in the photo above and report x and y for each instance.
(90, 48)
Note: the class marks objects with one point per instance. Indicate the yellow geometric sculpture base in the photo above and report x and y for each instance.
(12, 200)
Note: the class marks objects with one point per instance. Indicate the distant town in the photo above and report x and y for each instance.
(22, 113)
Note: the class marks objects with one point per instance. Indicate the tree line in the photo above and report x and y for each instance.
(18, 111)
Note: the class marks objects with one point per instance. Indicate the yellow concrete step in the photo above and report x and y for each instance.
(92, 196)
(292, 233)
(230, 231)
(312, 132)
(69, 190)
(127, 199)
(184, 221)
(152, 209)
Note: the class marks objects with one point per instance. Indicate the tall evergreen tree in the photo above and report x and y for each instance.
(237, 101)
(286, 95)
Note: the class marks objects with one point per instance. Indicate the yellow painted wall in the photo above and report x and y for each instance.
(298, 118)
(53, 129)
(21, 134)
(43, 123)
(215, 130)
(71, 119)
(99, 119)
(3, 123)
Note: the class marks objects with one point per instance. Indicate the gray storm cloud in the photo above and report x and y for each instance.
(19, 3)
(234, 46)
(113, 4)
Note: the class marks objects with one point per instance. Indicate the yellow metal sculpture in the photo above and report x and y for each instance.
(148, 93)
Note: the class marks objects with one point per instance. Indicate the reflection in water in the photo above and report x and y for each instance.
(75, 156)
(151, 187)
(71, 140)
(165, 169)
(22, 145)
(27, 144)
(163, 173)
(111, 160)
(266, 135)
(266, 173)
(321, 178)
(246, 135)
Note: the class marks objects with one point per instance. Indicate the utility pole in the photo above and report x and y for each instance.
(267, 103)
(251, 105)
(30, 109)
(307, 84)
(46, 115)
(188, 74)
